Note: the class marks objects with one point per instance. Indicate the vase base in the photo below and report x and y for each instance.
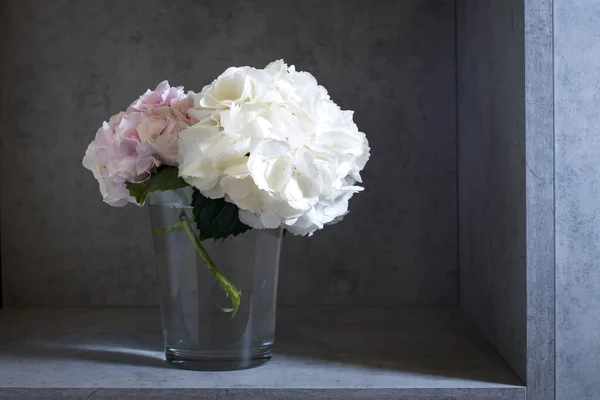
(217, 361)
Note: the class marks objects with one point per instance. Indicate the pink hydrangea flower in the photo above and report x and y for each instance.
(163, 95)
(161, 129)
(132, 144)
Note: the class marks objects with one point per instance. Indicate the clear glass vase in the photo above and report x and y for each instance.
(200, 329)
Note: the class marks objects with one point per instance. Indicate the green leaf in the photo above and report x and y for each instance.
(216, 218)
(166, 178)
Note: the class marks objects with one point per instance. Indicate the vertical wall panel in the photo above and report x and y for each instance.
(506, 181)
(577, 90)
(539, 174)
(491, 156)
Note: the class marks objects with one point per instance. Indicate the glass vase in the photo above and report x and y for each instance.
(202, 329)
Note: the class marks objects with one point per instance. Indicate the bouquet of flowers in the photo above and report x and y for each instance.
(262, 149)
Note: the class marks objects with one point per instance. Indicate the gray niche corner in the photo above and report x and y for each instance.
(481, 200)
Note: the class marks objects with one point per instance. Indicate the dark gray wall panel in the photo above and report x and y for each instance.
(491, 155)
(577, 77)
(506, 181)
(69, 64)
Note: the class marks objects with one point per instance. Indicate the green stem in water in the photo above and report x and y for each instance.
(231, 291)
(176, 227)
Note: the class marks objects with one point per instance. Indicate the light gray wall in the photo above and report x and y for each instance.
(506, 181)
(67, 65)
(577, 89)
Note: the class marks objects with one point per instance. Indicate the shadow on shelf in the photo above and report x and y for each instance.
(432, 341)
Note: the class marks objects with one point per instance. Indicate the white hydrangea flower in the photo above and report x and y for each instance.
(272, 142)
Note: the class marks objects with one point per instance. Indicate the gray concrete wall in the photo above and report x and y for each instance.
(577, 88)
(539, 202)
(491, 164)
(506, 181)
(67, 65)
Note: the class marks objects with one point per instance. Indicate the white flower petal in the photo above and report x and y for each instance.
(270, 221)
(250, 219)
(270, 165)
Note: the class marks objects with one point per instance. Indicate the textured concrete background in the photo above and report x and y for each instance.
(506, 181)
(577, 88)
(491, 159)
(539, 178)
(67, 65)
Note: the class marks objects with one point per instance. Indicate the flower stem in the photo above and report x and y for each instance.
(230, 291)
